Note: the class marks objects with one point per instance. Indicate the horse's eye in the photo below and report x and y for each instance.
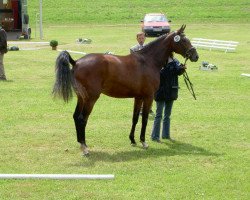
(184, 39)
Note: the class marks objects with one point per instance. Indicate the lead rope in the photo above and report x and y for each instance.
(188, 83)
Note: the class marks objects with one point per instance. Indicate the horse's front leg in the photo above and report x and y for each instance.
(136, 112)
(145, 111)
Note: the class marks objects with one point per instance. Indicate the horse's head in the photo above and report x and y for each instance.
(183, 46)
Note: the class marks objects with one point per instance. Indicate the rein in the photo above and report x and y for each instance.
(188, 83)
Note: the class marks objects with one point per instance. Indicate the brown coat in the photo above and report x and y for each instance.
(3, 41)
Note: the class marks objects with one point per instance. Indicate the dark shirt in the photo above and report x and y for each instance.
(168, 89)
(3, 41)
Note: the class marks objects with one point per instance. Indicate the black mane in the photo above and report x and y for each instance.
(156, 50)
(152, 43)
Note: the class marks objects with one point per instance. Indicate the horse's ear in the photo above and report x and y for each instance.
(181, 30)
(183, 27)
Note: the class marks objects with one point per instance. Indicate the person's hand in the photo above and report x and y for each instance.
(183, 66)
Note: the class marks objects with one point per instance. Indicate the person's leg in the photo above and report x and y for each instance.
(155, 135)
(166, 120)
(2, 73)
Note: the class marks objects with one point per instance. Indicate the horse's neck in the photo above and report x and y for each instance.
(159, 53)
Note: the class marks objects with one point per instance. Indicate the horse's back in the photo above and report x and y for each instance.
(102, 65)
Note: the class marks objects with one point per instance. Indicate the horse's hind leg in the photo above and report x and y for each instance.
(81, 116)
(80, 124)
(137, 107)
(146, 107)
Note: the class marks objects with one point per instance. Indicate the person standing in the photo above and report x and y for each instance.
(165, 97)
(3, 50)
(140, 37)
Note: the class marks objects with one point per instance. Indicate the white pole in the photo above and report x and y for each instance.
(56, 176)
(77, 52)
(248, 75)
(41, 19)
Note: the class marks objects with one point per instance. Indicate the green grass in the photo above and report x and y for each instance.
(208, 160)
(131, 12)
(210, 156)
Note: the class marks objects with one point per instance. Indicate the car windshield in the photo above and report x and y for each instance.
(155, 18)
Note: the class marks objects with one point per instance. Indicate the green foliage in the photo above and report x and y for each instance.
(53, 43)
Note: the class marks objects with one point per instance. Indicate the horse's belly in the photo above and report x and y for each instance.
(120, 91)
(126, 91)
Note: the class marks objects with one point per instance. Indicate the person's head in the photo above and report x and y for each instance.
(140, 38)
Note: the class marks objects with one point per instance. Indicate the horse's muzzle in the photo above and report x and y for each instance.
(192, 55)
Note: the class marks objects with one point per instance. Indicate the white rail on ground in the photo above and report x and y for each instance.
(19, 42)
(77, 52)
(56, 176)
(247, 75)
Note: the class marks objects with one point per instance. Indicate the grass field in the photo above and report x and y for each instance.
(209, 158)
(131, 12)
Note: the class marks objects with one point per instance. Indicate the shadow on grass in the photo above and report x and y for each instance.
(6, 81)
(169, 148)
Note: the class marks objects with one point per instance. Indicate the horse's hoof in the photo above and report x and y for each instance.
(133, 144)
(85, 151)
(144, 145)
(85, 154)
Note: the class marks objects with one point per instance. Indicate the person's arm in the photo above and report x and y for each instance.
(178, 67)
(181, 69)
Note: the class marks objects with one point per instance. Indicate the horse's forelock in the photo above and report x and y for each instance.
(182, 35)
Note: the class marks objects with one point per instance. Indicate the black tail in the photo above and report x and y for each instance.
(64, 77)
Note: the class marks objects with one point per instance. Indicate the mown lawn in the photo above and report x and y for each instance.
(131, 12)
(209, 158)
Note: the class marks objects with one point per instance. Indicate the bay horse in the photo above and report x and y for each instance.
(132, 76)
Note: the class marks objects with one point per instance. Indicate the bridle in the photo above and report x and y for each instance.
(177, 39)
(187, 54)
(187, 81)
(185, 75)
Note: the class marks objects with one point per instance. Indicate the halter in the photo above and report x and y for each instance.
(187, 54)
(177, 39)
